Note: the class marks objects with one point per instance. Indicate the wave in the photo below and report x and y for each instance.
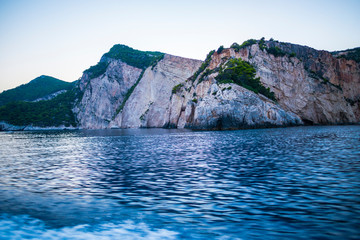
(24, 227)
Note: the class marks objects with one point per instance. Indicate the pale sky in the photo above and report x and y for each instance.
(62, 38)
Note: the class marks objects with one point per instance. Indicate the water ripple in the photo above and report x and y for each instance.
(296, 183)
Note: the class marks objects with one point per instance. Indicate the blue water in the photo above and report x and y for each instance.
(285, 183)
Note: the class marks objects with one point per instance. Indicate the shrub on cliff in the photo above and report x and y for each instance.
(262, 45)
(276, 51)
(353, 54)
(97, 70)
(220, 49)
(237, 47)
(204, 65)
(176, 88)
(292, 55)
(242, 73)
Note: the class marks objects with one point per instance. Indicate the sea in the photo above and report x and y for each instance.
(275, 183)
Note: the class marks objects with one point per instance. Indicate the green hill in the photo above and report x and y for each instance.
(133, 57)
(39, 87)
(54, 112)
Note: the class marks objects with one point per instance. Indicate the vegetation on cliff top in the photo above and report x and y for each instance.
(350, 54)
(242, 73)
(274, 50)
(97, 70)
(37, 88)
(54, 112)
(220, 49)
(246, 43)
(132, 57)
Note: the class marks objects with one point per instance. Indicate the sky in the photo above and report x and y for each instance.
(62, 38)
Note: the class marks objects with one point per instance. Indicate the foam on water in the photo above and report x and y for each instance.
(24, 227)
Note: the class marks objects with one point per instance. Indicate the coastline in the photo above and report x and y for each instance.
(9, 127)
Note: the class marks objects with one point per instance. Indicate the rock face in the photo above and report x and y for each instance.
(104, 94)
(149, 104)
(310, 86)
(226, 106)
(314, 85)
(209, 105)
(50, 96)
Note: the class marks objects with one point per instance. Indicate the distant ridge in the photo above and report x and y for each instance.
(37, 88)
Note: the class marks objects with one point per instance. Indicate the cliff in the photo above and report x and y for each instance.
(316, 86)
(124, 95)
(308, 86)
(256, 84)
(150, 103)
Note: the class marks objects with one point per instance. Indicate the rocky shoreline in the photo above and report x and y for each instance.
(296, 85)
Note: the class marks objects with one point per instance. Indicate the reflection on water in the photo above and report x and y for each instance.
(301, 182)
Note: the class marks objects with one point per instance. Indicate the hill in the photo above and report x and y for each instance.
(37, 88)
(54, 112)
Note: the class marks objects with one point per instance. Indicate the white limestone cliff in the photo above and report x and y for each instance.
(301, 95)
